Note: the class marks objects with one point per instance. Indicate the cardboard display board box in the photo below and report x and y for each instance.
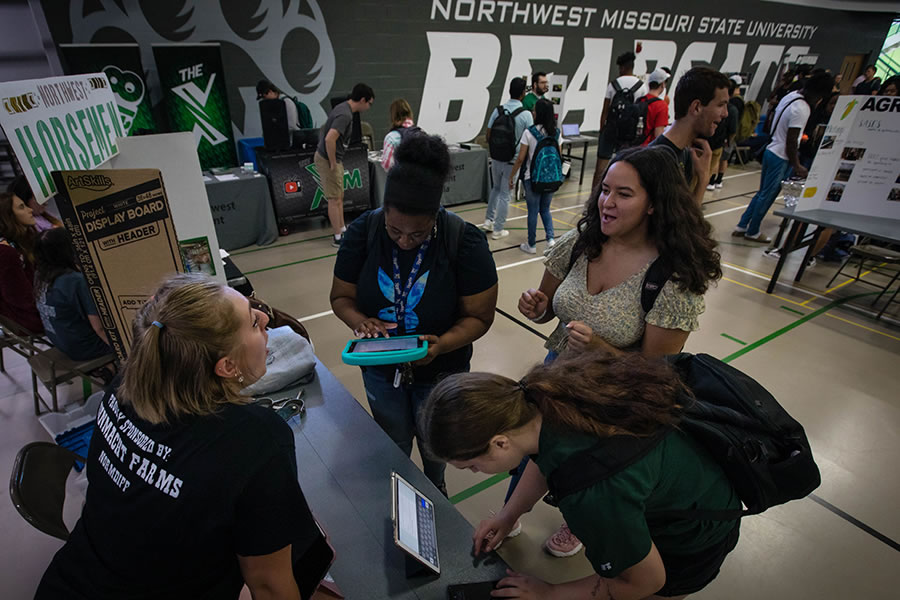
(124, 240)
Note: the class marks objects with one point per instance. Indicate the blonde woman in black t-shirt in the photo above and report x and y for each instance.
(193, 492)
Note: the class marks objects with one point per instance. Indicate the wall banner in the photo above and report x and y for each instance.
(194, 89)
(122, 65)
(59, 123)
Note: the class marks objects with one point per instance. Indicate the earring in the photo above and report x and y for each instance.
(240, 377)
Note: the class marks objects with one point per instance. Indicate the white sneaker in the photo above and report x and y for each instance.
(551, 242)
(524, 247)
(719, 185)
(499, 234)
(711, 187)
(773, 253)
(488, 225)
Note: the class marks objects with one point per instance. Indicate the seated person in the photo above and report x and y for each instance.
(63, 299)
(17, 235)
(193, 492)
(266, 90)
(43, 219)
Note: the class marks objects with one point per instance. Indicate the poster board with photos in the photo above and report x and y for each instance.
(857, 167)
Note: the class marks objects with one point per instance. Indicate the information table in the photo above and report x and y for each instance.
(886, 230)
(468, 182)
(296, 185)
(241, 208)
(344, 463)
(571, 142)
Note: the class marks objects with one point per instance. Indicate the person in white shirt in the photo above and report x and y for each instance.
(780, 158)
(626, 80)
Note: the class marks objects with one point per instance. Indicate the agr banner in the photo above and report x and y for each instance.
(59, 123)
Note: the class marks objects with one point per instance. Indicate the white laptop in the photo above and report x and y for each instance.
(571, 130)
(414, 525)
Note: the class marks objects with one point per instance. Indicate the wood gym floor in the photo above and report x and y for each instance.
(817, 349)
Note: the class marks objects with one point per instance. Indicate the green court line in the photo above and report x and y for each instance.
(296, 262)
(321, 237)
(478, 487)
(795, 311)
(733, 339)
(795, 324)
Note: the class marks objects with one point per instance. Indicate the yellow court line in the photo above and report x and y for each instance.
(840, 285)
(762, 291)
(893, 337)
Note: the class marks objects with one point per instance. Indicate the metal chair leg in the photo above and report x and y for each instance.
(34, 392)
(843, 264)
(888, 303)
(886, 288)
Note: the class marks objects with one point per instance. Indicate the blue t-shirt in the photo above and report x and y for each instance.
(64, 307)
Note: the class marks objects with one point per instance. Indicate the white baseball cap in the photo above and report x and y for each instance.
(658, 76)
(737, 79)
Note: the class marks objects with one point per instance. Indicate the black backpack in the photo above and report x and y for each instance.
(503, 142)
(408, 132)
(624, 114)
(762, 449)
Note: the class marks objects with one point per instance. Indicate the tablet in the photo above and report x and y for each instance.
(384, 350)
(414, 525)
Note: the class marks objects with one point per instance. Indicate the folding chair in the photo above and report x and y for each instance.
(878, 254)
(37, 485)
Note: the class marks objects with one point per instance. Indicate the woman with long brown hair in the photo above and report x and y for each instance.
(17, 235)
(188, 482)
(641, 214)
(488, 423)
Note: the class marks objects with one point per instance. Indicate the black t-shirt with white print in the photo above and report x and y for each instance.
(170, 507)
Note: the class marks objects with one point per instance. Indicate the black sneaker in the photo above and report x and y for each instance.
(336, 241)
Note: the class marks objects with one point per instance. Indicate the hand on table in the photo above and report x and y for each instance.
(490, 533)
(517, 585)
(373, 327)
(533, 303)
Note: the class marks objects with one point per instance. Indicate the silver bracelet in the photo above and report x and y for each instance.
(539, 317)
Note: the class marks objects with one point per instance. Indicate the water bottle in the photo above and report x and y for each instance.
(792, 189)
(639, 132)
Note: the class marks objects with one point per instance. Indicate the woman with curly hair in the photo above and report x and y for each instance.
(636, 545)
(641, 212)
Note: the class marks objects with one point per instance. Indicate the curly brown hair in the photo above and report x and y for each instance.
(676, 227)
(590, 393)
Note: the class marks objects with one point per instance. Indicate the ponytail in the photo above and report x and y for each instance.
(599, 396)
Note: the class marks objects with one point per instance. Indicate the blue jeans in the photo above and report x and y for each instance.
(498, 204)
(538, 203)
(517, 473)
(396, 411)
(774, 171)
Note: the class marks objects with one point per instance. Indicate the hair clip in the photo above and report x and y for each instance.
(158, 324)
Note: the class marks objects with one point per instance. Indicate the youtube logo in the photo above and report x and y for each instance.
(291, 187)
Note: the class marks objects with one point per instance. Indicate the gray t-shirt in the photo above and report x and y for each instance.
(341, 119)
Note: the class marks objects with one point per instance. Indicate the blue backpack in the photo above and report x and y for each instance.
(546, 163)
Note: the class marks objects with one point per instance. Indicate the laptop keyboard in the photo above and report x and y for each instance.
(427, 541)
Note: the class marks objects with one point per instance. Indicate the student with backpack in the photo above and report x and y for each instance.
(413, 268)
(619, 113)
(620, 282)
(654, 109)
(557, 413)
(402, 126)
(543, 171)
(504, 130)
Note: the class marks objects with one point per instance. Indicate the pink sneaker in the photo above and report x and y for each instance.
(563, 543)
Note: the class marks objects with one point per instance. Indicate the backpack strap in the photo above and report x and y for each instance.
(517, 111)
(616, 86)
(374, 222)
(650, 99)
(635, 88)
(534, 131)
(654, 280)
(608, 457)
